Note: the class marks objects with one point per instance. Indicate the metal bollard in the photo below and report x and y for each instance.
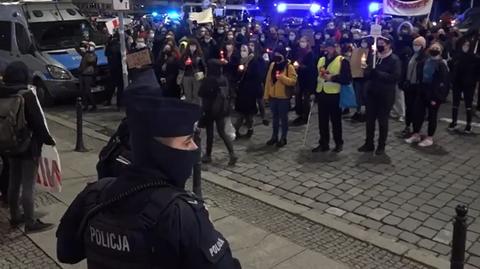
(197, 168)
(80, 147)
(459, 238)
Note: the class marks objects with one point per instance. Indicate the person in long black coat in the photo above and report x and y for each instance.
(167, 69)
(307, 80)
(250, 72)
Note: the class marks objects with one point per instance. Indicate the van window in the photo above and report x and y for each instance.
(5, 36)
(23, 42)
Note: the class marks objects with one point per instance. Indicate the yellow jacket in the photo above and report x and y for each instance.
(277, 90)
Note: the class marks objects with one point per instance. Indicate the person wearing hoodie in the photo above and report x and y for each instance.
(433, 91)
(413, 80)
(307, 80)
(382, 83)
(215, 96)
(465, 76)
(281, 77)
(24, 165)
(250, 74)
(333, 72)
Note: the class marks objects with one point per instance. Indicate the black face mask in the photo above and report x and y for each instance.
(434, 53)
(442, 37)
(277, 59)
(175, 163)
(380, 48)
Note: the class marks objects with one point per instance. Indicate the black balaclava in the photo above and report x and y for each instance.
(151, 118)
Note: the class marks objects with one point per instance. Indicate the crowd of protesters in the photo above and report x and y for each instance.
(407, 75)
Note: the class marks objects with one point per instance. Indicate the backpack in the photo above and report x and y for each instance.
(221, 103)
(15, 136)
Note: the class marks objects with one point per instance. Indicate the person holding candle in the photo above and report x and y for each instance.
(307, 80)
(249, 72)
(192, 71)
(359, 57)
(281, 74)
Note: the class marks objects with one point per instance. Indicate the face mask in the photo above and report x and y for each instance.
(265, 57)
(176, 164)
(348, 54)
(230, 37)
(193, 49)
(244, 54)
(466, 49)
(91, 49)
(442, 37)
(262, 39)
(327, 36)
(291, 38)
(380, 48)
(278, 59)
(140, 45)
(434, 53)
(364, 45)
(317, 37)
(303, 45)
(417, 48)
(220, 31)
(129, 41)
(229, 48)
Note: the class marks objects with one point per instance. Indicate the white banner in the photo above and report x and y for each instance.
(206, 16)
(404, 8)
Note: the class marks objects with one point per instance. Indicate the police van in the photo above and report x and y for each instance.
(45, 35)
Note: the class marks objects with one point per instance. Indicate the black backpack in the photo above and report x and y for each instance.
(15, 136)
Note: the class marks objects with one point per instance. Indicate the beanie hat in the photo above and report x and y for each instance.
(420, 41)
(16, 73)
(281, 50)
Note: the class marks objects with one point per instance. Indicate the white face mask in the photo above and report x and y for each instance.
(244, 54)
(318, 37)
(291, 38)
(417, 48)
(141, 45)
(265, 57)
(262, 39)
(193, 49)
(303, 45)
(151, 36)
(327, 36)
(466, 49)
(364, 45)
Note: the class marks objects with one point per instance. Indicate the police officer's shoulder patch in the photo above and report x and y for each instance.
(214, 245)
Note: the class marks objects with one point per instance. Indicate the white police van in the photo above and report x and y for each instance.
(44, 35)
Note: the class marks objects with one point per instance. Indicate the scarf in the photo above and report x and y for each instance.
(302, 53)
(429, 69)
(280, 67)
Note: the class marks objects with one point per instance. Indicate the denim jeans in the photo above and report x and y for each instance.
(280, 108)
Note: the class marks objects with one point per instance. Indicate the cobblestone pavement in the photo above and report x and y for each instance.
(408, 195)
(17, 251)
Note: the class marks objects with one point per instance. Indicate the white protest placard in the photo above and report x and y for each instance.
(206, 16)
(376, 30)
(121, 4)
(407, 8)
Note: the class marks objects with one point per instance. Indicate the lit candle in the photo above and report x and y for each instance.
(296, 64)
(241, 67)
(364, 59)
(277, 74)
(188, 61)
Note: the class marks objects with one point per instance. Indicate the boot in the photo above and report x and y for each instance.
(38, 226)
(249, 133)
(272, 141)
(366, 148)
(233, 160)
(206, 159)
(281, 143)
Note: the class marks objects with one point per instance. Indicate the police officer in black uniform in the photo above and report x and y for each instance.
(145, 218)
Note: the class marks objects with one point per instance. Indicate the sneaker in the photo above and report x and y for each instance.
(281, 143)
(265, 122)
(272, 142)
(206, 159)
(406, 133)
(233, 160)
(321, 149)
(38, 226)
(401, 119)
(380, 150)
(366, 148)
(427, 142)
(468, 129)
(338, 149)
(249, 134)
(452, 126)
(415, 138)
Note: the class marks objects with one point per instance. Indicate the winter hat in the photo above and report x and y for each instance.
(436, 46)
(420, 41)
(330, 43)
(281, 50)
(16, 73)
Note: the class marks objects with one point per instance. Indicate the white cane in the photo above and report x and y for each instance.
(308, 123)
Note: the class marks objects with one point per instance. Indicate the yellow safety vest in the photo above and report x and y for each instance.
(334, 69)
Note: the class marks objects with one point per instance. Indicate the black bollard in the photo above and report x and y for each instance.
(197, 168)
(80, 147)
(459, 238)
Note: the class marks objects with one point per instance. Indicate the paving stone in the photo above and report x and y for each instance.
(354, 191)
(389, 206)
(350, 205)
(319, 206)
(474, 261)
(378, 213)
(353, 217)
(475, 249)
(335, 202)
(392, 220)
(335, 211)
(444, 237)
(442, 249)
(324, 197)
(400, 213)
(309, 184)
(362, 210)
(426, 243)
(409, 224)
(426, 232)
(372, 224)
(362, 198)
(326, 185)
(372, 204)
(419, 215)
(390, 230)
(314, 192)
(335, 192)
(409, 237)
(427, 209)
(434, 223)
(299, 189)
